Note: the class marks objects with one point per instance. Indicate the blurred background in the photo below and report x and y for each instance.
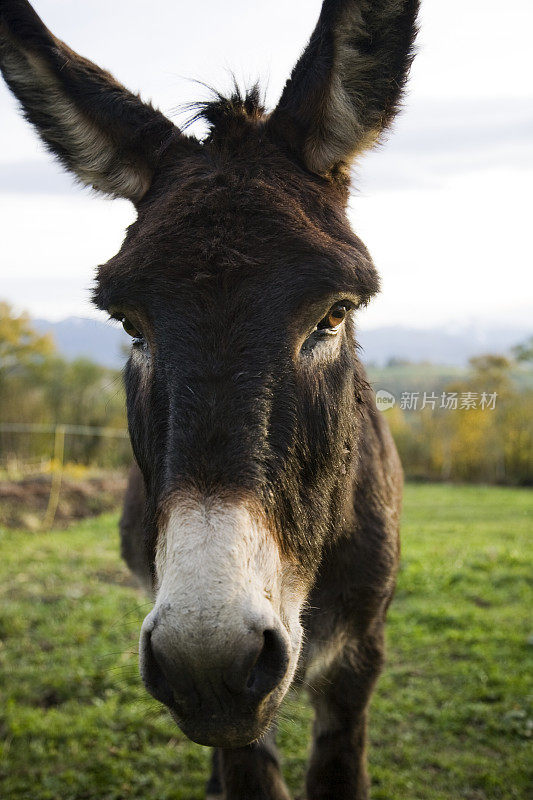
(444, 208)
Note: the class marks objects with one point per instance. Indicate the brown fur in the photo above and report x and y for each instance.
(234, 386)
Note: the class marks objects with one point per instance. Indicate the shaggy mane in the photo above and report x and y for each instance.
(221, 110)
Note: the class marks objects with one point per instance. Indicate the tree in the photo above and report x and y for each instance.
(21, 347)
(490, 371)
(524, 350)
(37, 385)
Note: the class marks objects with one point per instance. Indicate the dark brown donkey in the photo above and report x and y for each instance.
(263, 515)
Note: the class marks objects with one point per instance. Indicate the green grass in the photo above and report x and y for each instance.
(451, 717)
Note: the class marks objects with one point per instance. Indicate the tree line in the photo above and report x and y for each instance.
(39, 386)
(478, 427)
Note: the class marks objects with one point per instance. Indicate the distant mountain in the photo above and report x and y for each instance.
(437, 345)
(103, 342)
(82, 337)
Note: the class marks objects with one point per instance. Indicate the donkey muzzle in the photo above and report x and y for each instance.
(218, 697)
(221, 644)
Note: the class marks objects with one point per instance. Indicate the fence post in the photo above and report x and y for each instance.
(57, 476)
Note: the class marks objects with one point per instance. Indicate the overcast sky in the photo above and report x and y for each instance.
(445, 207)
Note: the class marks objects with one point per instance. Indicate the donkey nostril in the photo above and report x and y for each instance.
(260, 666)
(164, 675)
(271, 664)
(153, 674)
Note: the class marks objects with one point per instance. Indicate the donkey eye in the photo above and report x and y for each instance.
(334, 318)
(130, 329)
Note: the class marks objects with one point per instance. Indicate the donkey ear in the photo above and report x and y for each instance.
(345, 89)
(99, 130)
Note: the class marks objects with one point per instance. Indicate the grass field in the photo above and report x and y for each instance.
(452, 716)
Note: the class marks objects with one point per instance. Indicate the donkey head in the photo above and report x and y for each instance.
(238, 284)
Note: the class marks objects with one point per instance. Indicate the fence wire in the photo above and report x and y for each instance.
(52, 448)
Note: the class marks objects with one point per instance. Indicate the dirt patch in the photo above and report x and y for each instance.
(23, 503)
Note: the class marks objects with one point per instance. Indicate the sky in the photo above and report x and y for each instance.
(444, 206)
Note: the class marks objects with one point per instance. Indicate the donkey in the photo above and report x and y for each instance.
(263, 514)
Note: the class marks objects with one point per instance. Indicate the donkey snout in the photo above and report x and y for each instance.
(210, 689)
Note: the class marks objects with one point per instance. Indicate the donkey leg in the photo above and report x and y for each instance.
(214, 789)
(250, 773)
(340, 696)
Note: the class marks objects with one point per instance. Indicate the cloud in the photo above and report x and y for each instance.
(455, 125)
(36, 176)
(435, 140)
